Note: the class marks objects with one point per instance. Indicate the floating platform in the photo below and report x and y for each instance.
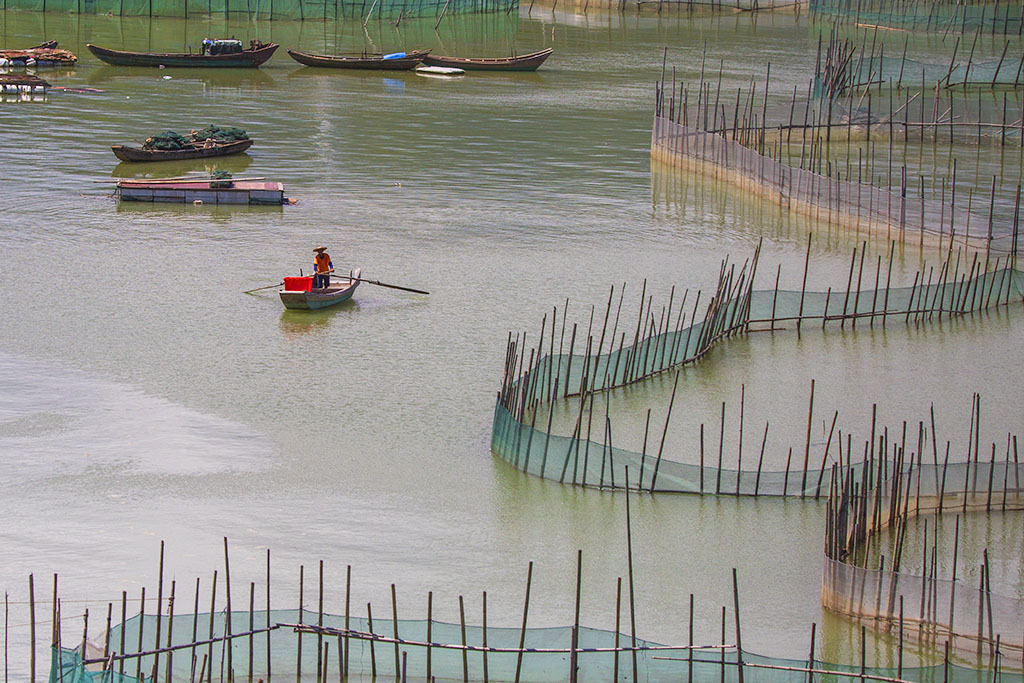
(10, 83)
(43, 55)
(202, 192)
(443, 71)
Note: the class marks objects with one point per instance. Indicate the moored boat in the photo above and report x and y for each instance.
(528, 62)
(197, 150)
(399, 61)
(256, 54)
(298, 293)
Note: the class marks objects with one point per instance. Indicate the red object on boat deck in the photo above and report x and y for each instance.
(298, 284)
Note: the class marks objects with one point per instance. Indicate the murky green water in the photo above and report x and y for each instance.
(144, 397)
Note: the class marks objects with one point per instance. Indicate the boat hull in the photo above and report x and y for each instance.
(352, 62)
(245, 58)
(137, 154)
(309, 301)
(528, 62)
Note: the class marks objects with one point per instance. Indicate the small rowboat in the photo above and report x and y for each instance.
(251, 57)
(340, 290)
(377, 62)
(528, 62)
(198, 150)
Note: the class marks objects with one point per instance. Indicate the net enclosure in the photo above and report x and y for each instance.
(829, 197)
(960, 16)
(869, 506)
(265, 9)
(536, 378)
(305, 645)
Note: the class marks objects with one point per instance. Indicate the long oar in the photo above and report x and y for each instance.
(279, 284)
(383, 284)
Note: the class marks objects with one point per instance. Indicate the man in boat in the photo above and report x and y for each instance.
(322, 268)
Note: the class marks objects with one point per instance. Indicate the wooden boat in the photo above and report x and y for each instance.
(528, 62)
(205, 191)
(252, 57)
(198, 150)
(340, 290)
(360, 61)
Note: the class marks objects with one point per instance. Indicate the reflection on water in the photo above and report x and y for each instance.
(194, 212)
(298, 323)
(234, 164)
(230, 79)
(51, 74)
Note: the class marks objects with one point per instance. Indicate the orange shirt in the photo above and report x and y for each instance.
(323, 262)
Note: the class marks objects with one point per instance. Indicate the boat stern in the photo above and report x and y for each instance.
(294, 300)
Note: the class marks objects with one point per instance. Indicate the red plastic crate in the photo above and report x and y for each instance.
(298, 284)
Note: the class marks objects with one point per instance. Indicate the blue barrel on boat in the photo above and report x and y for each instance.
(394, 55)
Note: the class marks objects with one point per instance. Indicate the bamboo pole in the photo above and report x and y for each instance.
(574, 640)
(394, 623)
(159, 607)
(739, 642)
(227, 595)
(465, 652)
(348, 596)
(807, 445)
(526, 611)
(632, 592)
(430, 625)
(269, 658)
(484, 636)
(298, 646)
(320, 669)
(32, 628)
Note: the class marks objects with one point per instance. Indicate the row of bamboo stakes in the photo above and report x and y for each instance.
(212, 656)
(830, 177)
(898, 11)
(909, 14)
(840, 66)
(872, 501)
(317, 9)
(836, 74)
(525, 390)
(116, 655)
(537, 378)
(693, 5)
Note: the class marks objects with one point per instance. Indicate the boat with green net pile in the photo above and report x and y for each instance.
(211, 141)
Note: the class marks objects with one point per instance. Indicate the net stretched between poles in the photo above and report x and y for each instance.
(270, 647)
(522, 432)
